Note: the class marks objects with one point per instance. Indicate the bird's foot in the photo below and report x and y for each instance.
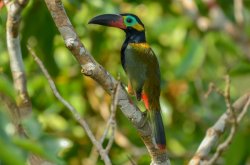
(138, 95)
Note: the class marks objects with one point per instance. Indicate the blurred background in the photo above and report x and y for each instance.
(196, 42)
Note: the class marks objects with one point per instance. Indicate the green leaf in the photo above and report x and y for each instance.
(192, 60)
(32, 127)
(8, 150)
(240, 69)
(29, 145)
(238, 148)
(6, 86)
(9, 154)
(52, 148)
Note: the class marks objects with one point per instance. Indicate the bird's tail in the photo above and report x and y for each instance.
(158, 128)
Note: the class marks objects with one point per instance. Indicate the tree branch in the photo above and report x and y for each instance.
(111, 125)
(24, 106)
(94, 70)
(75, 113)
(112, 119)
(223, 146)
(16, 63)
(239, 107)
(238, 12)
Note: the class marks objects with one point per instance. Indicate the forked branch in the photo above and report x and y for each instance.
(231, 117)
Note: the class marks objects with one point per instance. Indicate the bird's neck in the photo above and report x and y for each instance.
(131, 37)
(135, 37)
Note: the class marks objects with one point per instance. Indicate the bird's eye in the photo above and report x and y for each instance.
(129, 20)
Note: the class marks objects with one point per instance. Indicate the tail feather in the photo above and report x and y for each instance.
(158, 128)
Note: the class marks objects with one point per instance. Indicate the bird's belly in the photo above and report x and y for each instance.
(135, 68)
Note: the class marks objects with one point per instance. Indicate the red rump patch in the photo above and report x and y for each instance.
(161, 146)
(145, 100)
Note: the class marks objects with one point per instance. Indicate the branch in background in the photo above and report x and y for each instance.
(24, 105)
(94, 70)
(238, 12)
(13, 42)
(111, 125)
(232, 116)
(217, 20)
(223, 146)
(75, 113)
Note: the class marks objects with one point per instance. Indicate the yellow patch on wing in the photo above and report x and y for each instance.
(138, 27)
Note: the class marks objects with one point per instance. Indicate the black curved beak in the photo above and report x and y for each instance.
(113, 20)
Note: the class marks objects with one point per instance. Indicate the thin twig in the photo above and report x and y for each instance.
(227, 98)
(111, 124)
(226, 119)
(75, 113)
(112, 119)
(227, 95)
(210, 90)
(223, 146)
(213, 88)
(244, 111)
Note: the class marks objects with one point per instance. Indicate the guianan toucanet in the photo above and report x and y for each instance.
(141, 66)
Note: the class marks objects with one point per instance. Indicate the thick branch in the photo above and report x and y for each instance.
(91, 68)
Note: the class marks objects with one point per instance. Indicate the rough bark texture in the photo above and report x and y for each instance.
(15, 54)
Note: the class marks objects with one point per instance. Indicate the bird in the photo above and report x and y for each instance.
(141, 66)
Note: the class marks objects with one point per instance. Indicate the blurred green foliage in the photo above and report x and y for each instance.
(189, 58)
